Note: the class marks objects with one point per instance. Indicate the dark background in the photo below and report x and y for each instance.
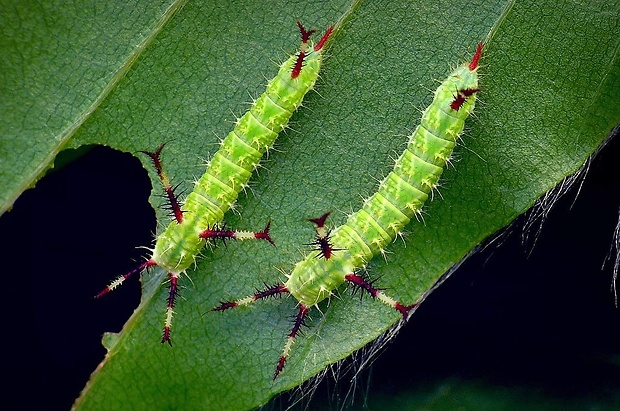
(544, 323)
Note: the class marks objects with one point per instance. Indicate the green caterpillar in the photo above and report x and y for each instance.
(228, 172)
(340, 254)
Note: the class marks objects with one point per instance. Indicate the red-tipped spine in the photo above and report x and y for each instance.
(324, 39)
(404, 309)
(173, 291)
(225, 305)
(268, 291)
(322, 243)
(121, 279)
(299, 63)
(224, 234)
(359, 282)
(303, 52)
(264, 235)
(320, 222)
(173, 201)
(305, 34)
(461, 96)
(474, 61)
(364, 285)
(298, 322)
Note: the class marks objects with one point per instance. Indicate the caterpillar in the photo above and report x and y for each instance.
(196, 221)
(339, 255)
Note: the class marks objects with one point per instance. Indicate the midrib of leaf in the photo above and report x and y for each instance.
(498, 23)
(68, 132)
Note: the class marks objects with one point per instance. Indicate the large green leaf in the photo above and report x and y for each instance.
(550, 86)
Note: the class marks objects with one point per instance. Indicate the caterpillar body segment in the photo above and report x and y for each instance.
(198, 219)
(339, 255)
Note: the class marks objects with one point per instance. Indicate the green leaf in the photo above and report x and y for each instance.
(133, 77)
(59, 63)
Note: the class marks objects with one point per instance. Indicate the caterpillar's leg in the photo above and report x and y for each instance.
(300, 319)
(271, 291)
(268, 291)
(171, 295)
(361, 283)
(173, 291)
(224, 234)
(118, 281)
(174, 205)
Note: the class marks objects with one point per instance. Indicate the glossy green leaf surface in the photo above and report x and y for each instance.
(549, 97)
